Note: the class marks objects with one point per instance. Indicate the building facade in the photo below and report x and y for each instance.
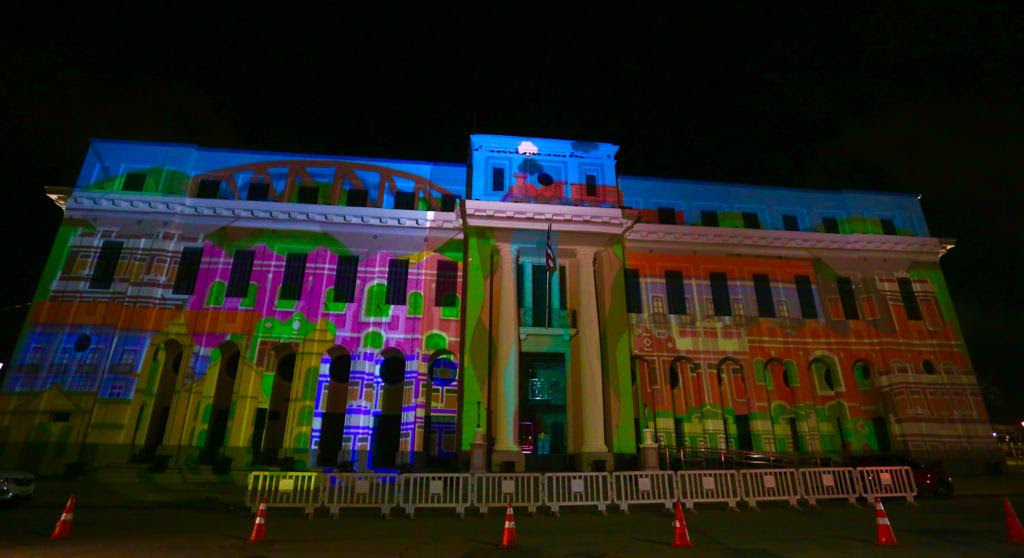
(296, 310)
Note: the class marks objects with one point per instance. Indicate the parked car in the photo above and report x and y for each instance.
(931, 479)
(22, 485)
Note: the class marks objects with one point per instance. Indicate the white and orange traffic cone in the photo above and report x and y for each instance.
(885, 535)
(681, 537)
(259, 528)
(1013, 529)
(63, 528)
(508, 534)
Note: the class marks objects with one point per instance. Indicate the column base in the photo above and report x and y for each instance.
(477, 457)
(585, 460)
(499, 457)
(649, 457)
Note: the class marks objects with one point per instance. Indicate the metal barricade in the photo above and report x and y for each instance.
(498, 489)
(762, 485)
(644, 487)
(577, 489)
(709, 486)
(284, 490)
(882, 482)
(428, 490)
(359, 490)
(829, 483)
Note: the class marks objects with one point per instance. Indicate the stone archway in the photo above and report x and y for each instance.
(220, 409)
(164, 398)
(335, 406)
(387, 423)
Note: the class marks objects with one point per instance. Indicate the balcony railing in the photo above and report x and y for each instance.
(562, 193)
(547, 317)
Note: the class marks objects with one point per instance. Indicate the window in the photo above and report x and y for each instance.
(188, 270)
(520, 284)
(805, 292)
(830, 224)
(258, 191)
(888, 227)
(751, 220)
(133, 182)
(209, 189)
(709, 218)
(448, 202)
(398, 275)
(929, 367)
(910, 305)
(848, 298)
(763, 293)
(562, 302)
(790, 223)
(447, 283)
(720, 294)
(294, 273)
(592, 185)
(634, 300)
(308, 194)
(106, 265)
(241, 272)
(356, 198)
(405, 200)
(345, 279)
(666, 216)
(675, 289)
(497, 179)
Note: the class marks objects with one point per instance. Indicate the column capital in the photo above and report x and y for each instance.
(505, 249)
(585, 254)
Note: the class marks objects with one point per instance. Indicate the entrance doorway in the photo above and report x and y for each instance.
(543, 429)
(794, 433)
(218, 425)
(882, 434)
(387, 425)
(332, 425)
(277, 413)
(743, 438)
(164, 397)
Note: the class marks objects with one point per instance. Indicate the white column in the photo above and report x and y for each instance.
(591, 391)
(506, 362)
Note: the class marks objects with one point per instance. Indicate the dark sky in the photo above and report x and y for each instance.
(921, 97)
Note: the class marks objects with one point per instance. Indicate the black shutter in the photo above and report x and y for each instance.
(398, 275)
(497, 179)
(405, 200)
(675, 289)
(258, 191)
(751, 221)
(830, 224)
(448, 202)
(209, 189)
(345, 279)
(720, 294)
(666, 216)
(848, 298)
(910, 305)
(634, 296)
(520, 278)
(133, 182)
(106, 265)
(790, 223)
(446, 284)
(356, 198)
(562, 302)
(294, 273)
(709, 218)
(763, 293)
(188, 270)
(308, 194)
(241, 272)
(805, 292)
(888, 227)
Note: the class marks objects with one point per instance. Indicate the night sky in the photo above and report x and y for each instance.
(924, 99)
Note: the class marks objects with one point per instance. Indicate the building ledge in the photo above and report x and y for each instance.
(537, 216)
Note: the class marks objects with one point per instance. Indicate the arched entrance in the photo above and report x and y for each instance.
(638, 366)
(387, 423)
(864, 377)
(732, 381)
(677, 373)
(441, 373)
(221, 405)
(332, 425)
(280, 397)
(830, 384)
(164, 398)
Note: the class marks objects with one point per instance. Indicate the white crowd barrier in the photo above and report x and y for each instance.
(577, 489)
(762, 485)
(644, 487)
(498, 489)
(359, 490)
(428, 490)
(709, 486)
(882, 482)
(829, 483)
(284, 490)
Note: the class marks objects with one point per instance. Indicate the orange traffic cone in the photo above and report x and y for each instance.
(885, 535)
(259, 528)
(508, 534)
(1013, 528)
(63, 528)
(681, 537)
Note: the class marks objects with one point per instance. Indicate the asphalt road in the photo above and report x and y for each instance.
(963, 526)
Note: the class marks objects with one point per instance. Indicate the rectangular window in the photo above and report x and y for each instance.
(888, 227)
(398, 276)
(666, 216)
(562, 302)
(910, 305)
(848, 298)
(634, 297)
(790, 223)
(188, 270)
(709, 218)
(308, 194)
(539, 285)
(720, 294)
(805, 292)
(448, 202)
(133, 182)
(241, 272)
(751, 221)
(258, 191)
(497, 179)
(405, 200)
(356, 198)
(520, 284)
(294, 273)
(591, 185)
(675, 288)
(209, 189)
(345, 279)
(763, 293)
(830, 224)
(447, 282)
(106, 265)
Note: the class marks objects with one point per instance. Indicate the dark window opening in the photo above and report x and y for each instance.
(666, 216)
(720, 294)
(709, 218)
(888, 227)
(61, 417)
(405, 200)
(398, 275)
(805, 292)
(356, 198)
(675, 289)
(520, 284)
(258, 191)
(830, 225)
(134, 182)
(763, 294)
(790, 223)
(294, 273)
(82, 343)
(497, 179)
(308, 194)
(345, 279)
(634, 299)
(562, 303)
(241, 272)
(448, 202)
(910, 305)
(928, 367)
(848, 298)
(446, 284)
(209, 189)
(188, 270)
(751, 221)
(106, 265)
(591, 185)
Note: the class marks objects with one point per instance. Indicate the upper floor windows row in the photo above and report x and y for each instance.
(209, 188)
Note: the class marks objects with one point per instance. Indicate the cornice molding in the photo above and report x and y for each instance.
(537, 216)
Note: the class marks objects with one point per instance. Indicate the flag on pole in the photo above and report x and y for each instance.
(549, 254)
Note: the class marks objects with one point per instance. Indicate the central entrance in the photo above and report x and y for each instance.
(543, 432)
